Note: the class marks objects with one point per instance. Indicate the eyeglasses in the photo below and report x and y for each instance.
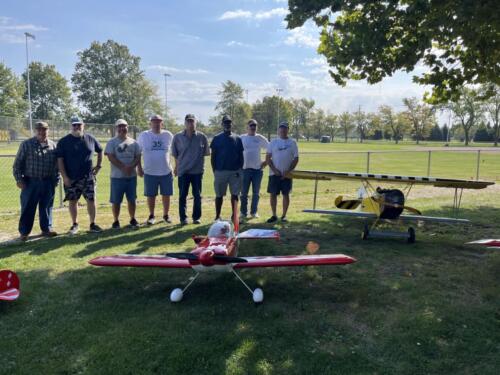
(77, 124)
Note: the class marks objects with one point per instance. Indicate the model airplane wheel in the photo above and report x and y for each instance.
(411, 235)
(258, 295)
(366, 232)
(176, 295)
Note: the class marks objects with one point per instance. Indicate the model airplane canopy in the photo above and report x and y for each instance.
(434, 181)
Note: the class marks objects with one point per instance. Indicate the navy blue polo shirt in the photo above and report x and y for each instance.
(228, 151)
(77, 153)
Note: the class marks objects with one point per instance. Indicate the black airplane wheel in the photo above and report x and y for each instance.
(411, 235)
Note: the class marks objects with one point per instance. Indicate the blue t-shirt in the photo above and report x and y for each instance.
(228, 150)
(77, 153)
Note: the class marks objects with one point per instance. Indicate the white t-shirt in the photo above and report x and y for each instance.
(252, 144)
(156, 152)
(283, 152)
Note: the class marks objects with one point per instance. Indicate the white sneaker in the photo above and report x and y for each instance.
(74, 229)
(255, 216)
(151, 220)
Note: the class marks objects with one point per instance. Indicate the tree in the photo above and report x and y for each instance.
(421, 117)
(231, 103)
(483, 133)
(457, 40)
(346, 124)
(50, 93)
(301, 110)
(11, 93)
(492, 109)
(318, 122)
(436, 133)
(331, 124)
(467, 111)
(265, 112)
(109, 84)
(394, 123)
(361, 122)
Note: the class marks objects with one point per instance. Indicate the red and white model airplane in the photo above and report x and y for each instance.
(218, 252)
(489, 243)
(9, 286)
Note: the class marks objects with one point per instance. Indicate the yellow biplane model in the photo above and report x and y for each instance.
(387, 205)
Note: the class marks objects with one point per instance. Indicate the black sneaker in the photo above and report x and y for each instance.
(284, 219)
(166, 219)
(94, 228)
(115, 225)
(272, 219)
(134, 224)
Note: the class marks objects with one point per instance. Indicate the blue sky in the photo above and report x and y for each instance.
(200, 43)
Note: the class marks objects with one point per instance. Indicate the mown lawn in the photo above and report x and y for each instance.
(428, 308)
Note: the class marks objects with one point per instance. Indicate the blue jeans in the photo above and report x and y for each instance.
(38, 192)
(184, 182)
(254, 177)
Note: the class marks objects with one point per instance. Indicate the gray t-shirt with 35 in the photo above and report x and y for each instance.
(125, 151)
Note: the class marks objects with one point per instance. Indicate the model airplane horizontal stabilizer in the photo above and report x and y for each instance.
(9, 286)
(256, 234)
(435, 181)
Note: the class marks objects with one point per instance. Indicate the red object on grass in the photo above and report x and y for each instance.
(9, 286)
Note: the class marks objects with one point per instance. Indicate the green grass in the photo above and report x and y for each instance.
(427, 308)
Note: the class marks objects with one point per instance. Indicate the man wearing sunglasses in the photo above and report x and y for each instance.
(36, 174)
(75, 153)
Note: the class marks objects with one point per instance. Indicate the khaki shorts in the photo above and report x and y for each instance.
(224, 178)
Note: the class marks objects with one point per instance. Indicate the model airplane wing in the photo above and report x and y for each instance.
(295, 260)
(9, 286)
(129, 260)
(370, 215)
(256, 234)
(435, 181)
(493, 243)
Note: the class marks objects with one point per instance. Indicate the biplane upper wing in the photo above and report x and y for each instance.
(434, 181)
(295, 260)
(370, 215)
(130, 260)
(9, 286)
(256, 234)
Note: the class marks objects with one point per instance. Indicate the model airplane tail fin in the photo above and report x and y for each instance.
(347, 204)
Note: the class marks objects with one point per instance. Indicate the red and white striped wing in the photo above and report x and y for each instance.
(295, 260)
(140, 261)
(9, 285)
(9, 294)
(488, 242)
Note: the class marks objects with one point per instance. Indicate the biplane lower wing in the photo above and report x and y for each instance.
(369, 215)
(295, 260)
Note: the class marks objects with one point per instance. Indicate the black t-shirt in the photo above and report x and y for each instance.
(77, 153)
(228, 150)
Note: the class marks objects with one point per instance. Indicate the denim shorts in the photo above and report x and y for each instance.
(152, 183)
(123, 186)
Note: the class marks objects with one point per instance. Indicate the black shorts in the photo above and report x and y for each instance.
(278, 184)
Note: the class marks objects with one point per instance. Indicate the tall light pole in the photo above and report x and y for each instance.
(28, 35)
(166, 102)
(278, 90)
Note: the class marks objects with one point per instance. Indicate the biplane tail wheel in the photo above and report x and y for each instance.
(411, 235)
(366, 232)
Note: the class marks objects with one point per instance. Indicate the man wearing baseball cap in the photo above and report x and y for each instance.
(75, 153)
(36, 174)
(189, 149)
(156, 144)
(282, 157)
(123, 153)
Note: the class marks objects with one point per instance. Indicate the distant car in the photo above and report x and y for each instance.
(325, 139)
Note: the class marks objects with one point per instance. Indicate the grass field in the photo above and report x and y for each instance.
(428, 308)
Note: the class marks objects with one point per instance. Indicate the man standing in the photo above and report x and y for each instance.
(35, 171)
(252, 168)
(156, 144)
(227, 161)
(189, 149)
(74, 159)
(123, 153)
(282, 157)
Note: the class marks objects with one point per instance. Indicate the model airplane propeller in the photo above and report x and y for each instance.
(218, 252)
(382, 205)
(9, 286)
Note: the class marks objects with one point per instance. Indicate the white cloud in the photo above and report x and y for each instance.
(276, 12)
(305, 36)
(171, 69)
(233, 14)
(11, 32)
(189, 36)
(235, 43)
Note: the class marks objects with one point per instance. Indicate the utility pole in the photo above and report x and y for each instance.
(28, 35)
(279, 90)
(166, 102)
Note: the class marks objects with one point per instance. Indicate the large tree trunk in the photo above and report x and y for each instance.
(466, 131)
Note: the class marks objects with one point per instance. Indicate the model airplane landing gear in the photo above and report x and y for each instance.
(177, 294)
(257, 294)
(369, 232)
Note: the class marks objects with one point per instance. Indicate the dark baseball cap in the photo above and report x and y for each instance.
(226, 118)
(189, 116)
(283, 124)
(252, 122)
(76, 120)
(156, 118)
(41, 125)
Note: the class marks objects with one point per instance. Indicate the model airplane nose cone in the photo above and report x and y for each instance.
(206, 258)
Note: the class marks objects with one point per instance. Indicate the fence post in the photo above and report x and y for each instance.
(477, 165)
(368, 162)
(429, 164)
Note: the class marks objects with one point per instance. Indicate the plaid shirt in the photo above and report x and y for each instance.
(35, 160)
